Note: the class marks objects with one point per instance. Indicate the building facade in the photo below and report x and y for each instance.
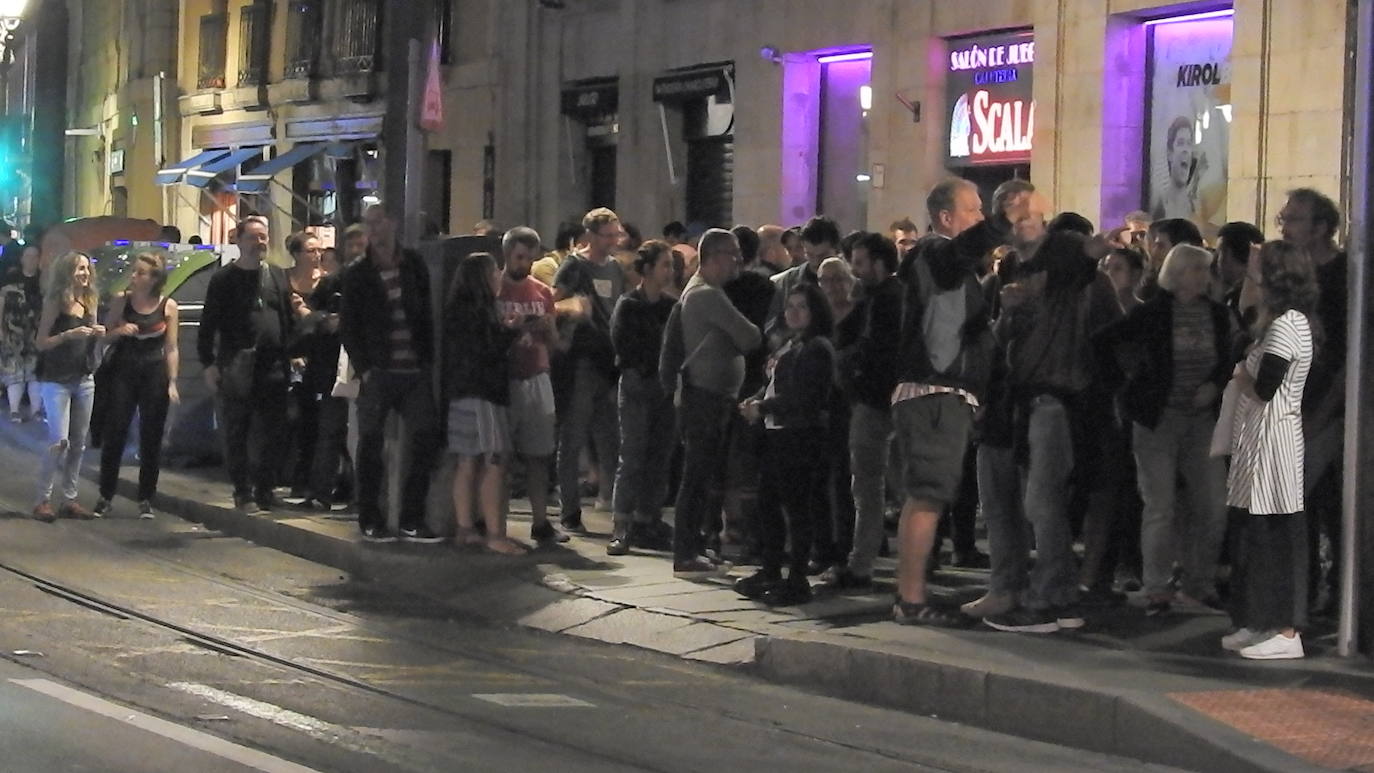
(709, 111)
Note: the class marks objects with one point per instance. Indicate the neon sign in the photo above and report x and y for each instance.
(990, 106)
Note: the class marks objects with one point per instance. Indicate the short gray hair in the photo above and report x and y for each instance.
(1181, 258)
(714, 240)
(840, 264)
(521, 234)
(941, 197)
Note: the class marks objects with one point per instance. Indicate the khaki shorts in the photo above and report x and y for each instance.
(933, 432)
(532, 417)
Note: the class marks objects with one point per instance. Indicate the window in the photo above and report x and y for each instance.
(214, 30)
(304, 28)
(255, 39)
(357, 34)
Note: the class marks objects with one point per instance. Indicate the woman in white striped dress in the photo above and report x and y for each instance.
(1265, 486)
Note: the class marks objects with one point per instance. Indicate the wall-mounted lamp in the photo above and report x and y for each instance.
(89, 131)
(866, 98)
(770, 54)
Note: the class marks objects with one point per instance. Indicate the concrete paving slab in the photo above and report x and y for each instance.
(736, 653)
(628, 626)
(697, 636)
(562, 615)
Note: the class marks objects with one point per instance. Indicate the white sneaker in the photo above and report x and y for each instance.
(1276, 647)
(1235, 642)
(992, 603)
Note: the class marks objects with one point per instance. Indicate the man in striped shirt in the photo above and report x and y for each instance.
(388, 329)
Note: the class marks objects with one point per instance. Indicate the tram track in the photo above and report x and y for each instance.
(600, 692)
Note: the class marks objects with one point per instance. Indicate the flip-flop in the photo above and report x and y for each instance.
(505, 546)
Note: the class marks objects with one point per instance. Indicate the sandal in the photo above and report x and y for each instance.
(468, 539)
(909, 613)
(505, 546)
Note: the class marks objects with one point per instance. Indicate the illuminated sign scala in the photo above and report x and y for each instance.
(990, 107)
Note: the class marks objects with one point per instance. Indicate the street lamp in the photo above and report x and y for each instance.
(11, 15)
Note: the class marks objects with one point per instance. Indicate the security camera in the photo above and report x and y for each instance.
(770, 54)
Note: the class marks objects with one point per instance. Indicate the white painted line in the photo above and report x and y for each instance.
(336, 735)
(170, 730)
(536, 700)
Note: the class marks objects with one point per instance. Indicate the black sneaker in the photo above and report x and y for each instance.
(618, 546)
(266, 501)
(655, 535)
(378, 534)
(572, 525)
(839, 578)
(757, 584)
(145, 510)
(974, 559)
(787, 593)
(1100, 595)
(544, 533)
(1157, 607)
(1023, 620)
(102, 507)
(421, 533)
(244, 503)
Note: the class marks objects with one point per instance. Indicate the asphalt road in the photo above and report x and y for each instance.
(156, 646)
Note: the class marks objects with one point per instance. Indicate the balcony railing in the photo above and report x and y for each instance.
(255, 40)
(357, 37)
(304, 28)
(214, 33)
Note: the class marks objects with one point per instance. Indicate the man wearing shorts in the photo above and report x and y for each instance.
(945, 357)
(531, 411)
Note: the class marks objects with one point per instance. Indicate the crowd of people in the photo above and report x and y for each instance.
(1173, 406)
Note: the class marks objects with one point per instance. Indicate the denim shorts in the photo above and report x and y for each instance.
(933, 432)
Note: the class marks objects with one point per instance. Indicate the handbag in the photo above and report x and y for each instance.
(1224, 431)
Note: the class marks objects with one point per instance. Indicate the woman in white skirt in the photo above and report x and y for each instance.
(1265, 485)
(477, 344)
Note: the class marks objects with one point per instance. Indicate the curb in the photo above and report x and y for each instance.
(1055, 707)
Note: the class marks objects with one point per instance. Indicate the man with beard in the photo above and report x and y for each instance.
(531, 411)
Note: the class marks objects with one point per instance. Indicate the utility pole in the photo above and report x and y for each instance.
(408, 29)
(1356, 630)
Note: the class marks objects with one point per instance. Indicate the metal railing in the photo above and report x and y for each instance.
(304, 30)
(214, 34)
(255, 41)
(357, 36)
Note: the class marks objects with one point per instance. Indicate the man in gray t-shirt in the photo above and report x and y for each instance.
(715, 337)
(586, 289)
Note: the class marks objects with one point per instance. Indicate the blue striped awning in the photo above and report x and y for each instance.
(201, 176)
(260, 177)
(171, 175)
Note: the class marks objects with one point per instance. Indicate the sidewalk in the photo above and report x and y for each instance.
(1159, 690)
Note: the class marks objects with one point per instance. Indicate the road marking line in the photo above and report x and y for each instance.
(170, 730)
(262, 710)
(537, 700)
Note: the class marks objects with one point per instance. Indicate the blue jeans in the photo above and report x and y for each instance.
(68, 406)
(1178, 448)
(1043, 497)
(646, 448)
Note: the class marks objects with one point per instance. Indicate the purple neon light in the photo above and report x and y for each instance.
(1220, 14)
(852, 56)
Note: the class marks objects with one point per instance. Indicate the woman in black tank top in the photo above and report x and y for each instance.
(67, 332)
(143, 376)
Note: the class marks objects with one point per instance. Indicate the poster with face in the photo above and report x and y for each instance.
(1190, 120)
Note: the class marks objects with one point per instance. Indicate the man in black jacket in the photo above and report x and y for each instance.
(387, 327)
(242, 345)
(869, 367)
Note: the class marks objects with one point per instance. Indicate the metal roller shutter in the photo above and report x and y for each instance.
(711, 181)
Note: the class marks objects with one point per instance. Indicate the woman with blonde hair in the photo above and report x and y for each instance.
(67, 332)
(143, 376)
(1172, 356)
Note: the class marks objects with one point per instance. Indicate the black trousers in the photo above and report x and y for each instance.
(790, 484)
(134, 386)
(303, 421)
(252, 446)
(411, 395)
(331, 446)
(704, 419)
(1268, 570)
